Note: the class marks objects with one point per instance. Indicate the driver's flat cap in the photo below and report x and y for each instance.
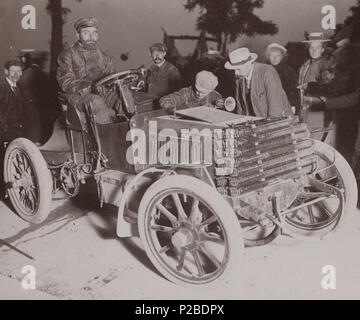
(159, 47)
(85, 23)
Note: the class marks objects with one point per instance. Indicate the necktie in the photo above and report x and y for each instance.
(243, 90)
(238, 95)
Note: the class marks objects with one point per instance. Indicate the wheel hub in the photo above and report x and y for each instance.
(25, 180)
(182, 238)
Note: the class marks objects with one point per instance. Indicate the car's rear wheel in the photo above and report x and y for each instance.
(323, 211)
(28, 180)
(190, 233)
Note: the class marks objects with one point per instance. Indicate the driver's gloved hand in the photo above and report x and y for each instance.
(83, 87)
(99, 90)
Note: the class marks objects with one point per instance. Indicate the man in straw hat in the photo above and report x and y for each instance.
(82, 64)
(256, 87)
(201, 94)
(310, 72)
(337, 88)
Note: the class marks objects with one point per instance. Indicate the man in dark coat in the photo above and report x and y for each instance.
(276, 54)
(18, 117)
(80, 66)
(256, 87)
(36, 87)
(163, 77)
(337, 87)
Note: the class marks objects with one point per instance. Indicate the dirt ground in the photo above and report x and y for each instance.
(77, 255)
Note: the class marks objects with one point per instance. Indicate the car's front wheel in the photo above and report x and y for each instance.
(28, 180)
(190, 233)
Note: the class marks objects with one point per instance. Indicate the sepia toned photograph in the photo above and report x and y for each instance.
(179, 150)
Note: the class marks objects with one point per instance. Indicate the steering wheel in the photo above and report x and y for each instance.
(127, 77)
(125, 81)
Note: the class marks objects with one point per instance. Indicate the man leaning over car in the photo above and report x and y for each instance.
(201, 94)
(255, 86)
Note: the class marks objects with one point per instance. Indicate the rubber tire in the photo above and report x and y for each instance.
(212, 199)
(350, 193)
(42, 175)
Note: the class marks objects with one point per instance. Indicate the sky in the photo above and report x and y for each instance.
(133, 25)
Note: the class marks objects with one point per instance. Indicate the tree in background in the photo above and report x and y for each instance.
(229, 19)
(353, 22)
(58, 17)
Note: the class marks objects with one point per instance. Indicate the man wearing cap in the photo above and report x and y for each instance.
(256, 87)
(163, 77)
(276, 54)
(82, 64)
(202, 94)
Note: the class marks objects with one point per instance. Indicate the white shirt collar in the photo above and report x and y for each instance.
(11, 83)
(160, 64)
(248, 77)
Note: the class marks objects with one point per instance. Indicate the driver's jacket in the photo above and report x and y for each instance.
(79, 68)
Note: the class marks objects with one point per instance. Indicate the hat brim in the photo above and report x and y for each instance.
(230, 66)
(282, 49)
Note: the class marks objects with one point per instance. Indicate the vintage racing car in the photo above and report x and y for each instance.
(195, 185)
